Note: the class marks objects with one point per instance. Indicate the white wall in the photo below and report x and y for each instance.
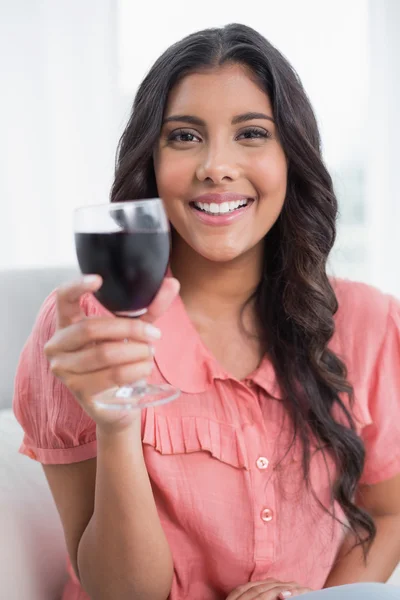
(69, 70)
(58, 120)
(326, 41)
(382, 138)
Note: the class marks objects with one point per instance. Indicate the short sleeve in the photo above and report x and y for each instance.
(56, 429)
(381, 435)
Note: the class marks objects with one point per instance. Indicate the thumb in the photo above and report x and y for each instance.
(68, 299)
(166, 295)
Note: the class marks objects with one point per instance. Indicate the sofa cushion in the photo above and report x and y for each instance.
(22, 293)
(32, 549)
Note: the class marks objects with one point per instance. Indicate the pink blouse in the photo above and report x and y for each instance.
(231, 500)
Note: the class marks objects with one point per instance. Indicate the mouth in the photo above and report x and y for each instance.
(214, 209)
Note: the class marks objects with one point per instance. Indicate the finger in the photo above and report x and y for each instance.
(68, 299)
(275, 593)
(100, 329)
(289, 590)
(269, 590)
(298, 591)
(242, 589)
(88, 386)
(260, 592)
(99, 357)
(284, 594)
(166, 295)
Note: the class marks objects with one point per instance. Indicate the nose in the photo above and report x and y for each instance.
(217, 165)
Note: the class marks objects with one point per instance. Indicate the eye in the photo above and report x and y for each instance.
(183, 136)
(253, 133)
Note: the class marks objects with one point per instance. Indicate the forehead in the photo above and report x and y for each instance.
(231, 89)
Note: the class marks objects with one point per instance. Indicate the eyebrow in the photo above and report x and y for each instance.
(250, 116)
(191, 120)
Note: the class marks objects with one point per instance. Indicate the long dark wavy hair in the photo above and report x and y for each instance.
(295, 301)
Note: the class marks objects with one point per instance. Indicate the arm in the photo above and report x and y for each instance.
(382, 501)
(114, 536)
(113, 533)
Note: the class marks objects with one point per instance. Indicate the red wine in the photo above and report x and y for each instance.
(132, 266)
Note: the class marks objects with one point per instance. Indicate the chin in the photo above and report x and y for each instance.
(220, 255)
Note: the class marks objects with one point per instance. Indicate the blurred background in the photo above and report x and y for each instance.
(69, 70)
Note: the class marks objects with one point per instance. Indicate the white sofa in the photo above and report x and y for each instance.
(32, 549)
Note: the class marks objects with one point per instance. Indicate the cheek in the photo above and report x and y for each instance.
(269, 174)
(173, 176)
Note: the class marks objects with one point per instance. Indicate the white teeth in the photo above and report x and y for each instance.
(221, 209)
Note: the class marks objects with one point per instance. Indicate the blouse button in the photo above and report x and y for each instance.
(266, 515)
(31, 454)
(262, 463)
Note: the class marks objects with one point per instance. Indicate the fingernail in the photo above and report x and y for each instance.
(152, 350)
(286, 594)
(152, 332)
(90, 279)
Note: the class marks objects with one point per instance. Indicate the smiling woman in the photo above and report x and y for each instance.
(276, 472)
(227, 154)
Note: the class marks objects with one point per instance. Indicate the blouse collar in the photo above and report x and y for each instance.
(186, 363)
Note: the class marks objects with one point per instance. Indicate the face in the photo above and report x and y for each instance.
(219, 165)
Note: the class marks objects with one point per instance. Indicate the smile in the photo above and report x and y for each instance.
(221, 213)
(222, 208)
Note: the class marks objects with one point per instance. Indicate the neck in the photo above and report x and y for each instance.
(221, 288)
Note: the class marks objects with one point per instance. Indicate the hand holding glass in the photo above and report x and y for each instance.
(128, 245)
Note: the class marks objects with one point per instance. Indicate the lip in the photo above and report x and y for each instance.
(220, 198)
(220, 220)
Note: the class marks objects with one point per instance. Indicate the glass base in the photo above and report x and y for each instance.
(131, 314)
(140, 395)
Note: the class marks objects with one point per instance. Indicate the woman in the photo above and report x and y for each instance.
(276, 473)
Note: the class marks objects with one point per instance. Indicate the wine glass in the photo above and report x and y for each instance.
(128, 244)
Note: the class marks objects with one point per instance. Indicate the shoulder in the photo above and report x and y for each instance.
(47, 315)
(364, 311)
(45, 326)
(367, 339)
(367, 332)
